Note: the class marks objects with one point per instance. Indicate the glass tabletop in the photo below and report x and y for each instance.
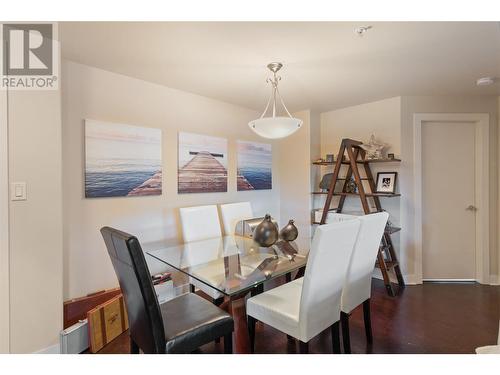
(232, 264)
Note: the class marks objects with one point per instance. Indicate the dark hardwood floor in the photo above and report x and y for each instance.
(428, 318)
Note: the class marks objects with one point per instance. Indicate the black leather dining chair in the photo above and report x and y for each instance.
(180, 325)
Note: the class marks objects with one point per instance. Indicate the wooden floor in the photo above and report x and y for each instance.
(429, 318)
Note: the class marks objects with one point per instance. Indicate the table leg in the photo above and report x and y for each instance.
(236, 308)
(300, 273)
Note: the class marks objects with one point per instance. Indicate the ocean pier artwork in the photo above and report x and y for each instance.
(254, 166)
(203, 173)
(202, 164)
(122, 160)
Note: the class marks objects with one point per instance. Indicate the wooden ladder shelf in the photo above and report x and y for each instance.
(387, 258)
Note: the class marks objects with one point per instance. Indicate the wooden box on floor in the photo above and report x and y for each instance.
(76, 309)
(106, 322)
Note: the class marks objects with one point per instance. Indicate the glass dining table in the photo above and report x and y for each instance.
(232, 265)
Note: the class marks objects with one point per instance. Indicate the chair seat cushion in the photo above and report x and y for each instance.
(212, 273)
(191, 321)
(490, 349)
(279, 307)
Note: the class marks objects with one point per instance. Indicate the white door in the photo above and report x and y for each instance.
(448, 208)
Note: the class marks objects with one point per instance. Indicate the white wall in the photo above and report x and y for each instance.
(381, 118)
(97, 94)
(4, 225)
(295, 186)
(35, 224)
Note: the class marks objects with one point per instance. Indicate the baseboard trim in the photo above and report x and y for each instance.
(409, 279)
(412, 279)
(450, 280)
(54, 349)
(494, 280)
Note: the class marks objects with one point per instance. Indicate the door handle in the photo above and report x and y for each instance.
(471, 208)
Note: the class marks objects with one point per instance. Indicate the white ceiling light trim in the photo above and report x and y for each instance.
(274, 127)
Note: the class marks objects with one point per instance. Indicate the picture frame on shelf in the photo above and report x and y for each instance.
(330, 158)
(386, 182)
(390, 156)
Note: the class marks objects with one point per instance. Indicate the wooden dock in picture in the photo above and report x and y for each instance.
(152, 186)
(243, 184)
(203, 174)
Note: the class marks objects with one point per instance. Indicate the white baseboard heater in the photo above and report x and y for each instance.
(75, 339)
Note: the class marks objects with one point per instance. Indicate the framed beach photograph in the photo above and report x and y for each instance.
(202, 164)
(122, 160)
(255, 166)
(386, 182)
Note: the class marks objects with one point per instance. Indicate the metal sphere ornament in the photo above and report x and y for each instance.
(266, 233)
(289, 232)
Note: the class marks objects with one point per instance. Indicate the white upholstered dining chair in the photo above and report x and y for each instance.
(232, 213)
(490, 349)
(357, 288)
(201, 223)
(305, 307)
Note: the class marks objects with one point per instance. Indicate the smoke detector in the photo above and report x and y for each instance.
(486, 81)
(360, 31)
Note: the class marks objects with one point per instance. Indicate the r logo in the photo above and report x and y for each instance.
(27, 49)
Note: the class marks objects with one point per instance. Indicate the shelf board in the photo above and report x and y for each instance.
(381, 195)
(395, 160)
(389, 230)
(323, 163)
(388, 264)
(347, 162)
(362, 178)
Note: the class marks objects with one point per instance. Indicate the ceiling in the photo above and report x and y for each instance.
(327, 66)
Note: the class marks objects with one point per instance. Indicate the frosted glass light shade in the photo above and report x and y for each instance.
(275, 127)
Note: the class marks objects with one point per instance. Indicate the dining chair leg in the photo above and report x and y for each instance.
(368, 322)
(191, 288)
(134, 348)
(228, 343)
(303, 347)
(335, 338)
(218, 301)
(251, 332)
(344, 320)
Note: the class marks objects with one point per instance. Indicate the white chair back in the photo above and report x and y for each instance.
(358, 281)
(324, 278)
(232, 213)
(200, 223)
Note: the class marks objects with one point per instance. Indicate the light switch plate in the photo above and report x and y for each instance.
(18, 191)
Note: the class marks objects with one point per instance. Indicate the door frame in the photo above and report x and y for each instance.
(482, 187)
(4, 226)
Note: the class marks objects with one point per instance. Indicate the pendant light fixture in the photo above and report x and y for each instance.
(275, 126)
